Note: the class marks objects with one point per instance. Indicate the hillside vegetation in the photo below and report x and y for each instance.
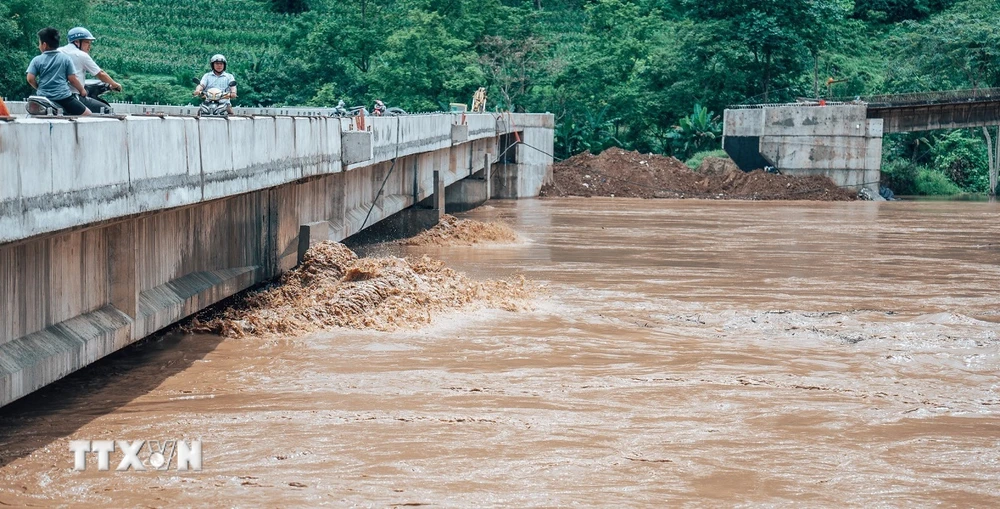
(647, 75)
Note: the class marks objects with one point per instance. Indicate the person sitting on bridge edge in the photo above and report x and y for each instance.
(78, 50)
(52, 73)
(219, 79)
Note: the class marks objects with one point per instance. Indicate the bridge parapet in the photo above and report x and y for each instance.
(62, 173)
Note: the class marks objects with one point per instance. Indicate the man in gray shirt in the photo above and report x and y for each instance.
(52, 73)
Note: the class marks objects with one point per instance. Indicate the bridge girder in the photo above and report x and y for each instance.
(929, 117)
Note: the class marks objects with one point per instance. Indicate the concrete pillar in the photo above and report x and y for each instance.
(416, 179)
(310, 234)
(122, 267)
(438, 198)
(488, 176)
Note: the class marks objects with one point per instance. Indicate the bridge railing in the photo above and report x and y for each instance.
(780, 105)
(890, 100)
(936, 97)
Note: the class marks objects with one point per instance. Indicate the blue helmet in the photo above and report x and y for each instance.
(80, 34)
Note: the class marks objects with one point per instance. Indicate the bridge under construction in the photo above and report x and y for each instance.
(843, 139)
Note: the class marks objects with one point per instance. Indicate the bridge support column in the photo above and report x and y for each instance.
(438, 196)
(122, 268)
(470, 192)
(310, 234)
(838, 141)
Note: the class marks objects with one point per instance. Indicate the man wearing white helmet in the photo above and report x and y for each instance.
(219, 79)
(78, 50)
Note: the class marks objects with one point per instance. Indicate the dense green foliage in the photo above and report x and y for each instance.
(907, 178)
(20, 20)
(640, 74)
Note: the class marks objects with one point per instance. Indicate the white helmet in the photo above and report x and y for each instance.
(218, 57)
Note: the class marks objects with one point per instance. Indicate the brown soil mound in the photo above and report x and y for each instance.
(454, 231)
(717, 166)
(616, 172)
(335, 288)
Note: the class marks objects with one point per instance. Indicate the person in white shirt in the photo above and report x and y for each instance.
(78, 50)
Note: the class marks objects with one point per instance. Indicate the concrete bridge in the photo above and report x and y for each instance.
(114, 228)
(843, 140)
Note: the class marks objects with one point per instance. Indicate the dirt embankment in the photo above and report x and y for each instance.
(616, 172)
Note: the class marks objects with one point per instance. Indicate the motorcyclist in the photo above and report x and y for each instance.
(218, 78)
(51, 74)
(78, 50)
(341, 109)
(379, 109)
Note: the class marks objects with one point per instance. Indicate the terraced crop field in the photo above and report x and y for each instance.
(176, 38)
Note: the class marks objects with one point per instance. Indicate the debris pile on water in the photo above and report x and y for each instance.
(334, 288)
(454, 231)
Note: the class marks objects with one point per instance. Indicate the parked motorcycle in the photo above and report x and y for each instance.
(212, 105)
(40, 106)
(340, 110)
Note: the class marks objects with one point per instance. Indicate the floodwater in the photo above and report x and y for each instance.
(677, 353)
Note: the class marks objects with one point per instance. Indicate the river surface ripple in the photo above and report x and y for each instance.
(678, 353)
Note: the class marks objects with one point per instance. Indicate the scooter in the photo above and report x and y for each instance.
(40, 106)
(340, 110)
(212, 105)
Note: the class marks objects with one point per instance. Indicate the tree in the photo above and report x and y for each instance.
(993, 152)
(959, 48)
(424, 67)
(699, 131)
(892, 11)
(777, 35)
(14, 58)
(956, 49)
(604, 69)
(20, 20)
(512, 66)
(289, 6)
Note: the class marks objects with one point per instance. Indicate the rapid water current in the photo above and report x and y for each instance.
(675, 352)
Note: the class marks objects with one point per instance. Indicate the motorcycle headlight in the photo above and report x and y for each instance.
(34, 108)
(213, 94)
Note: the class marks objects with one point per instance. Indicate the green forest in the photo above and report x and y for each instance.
(646, 75)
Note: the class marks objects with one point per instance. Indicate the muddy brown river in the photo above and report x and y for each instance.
(677, 353)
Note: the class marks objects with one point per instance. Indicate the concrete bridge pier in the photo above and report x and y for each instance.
(836, 141)
(470, 192)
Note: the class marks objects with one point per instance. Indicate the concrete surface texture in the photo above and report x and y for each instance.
(112, 229)
(838, 141)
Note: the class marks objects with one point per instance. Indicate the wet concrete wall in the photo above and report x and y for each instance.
(837, 141)
(111, 230)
